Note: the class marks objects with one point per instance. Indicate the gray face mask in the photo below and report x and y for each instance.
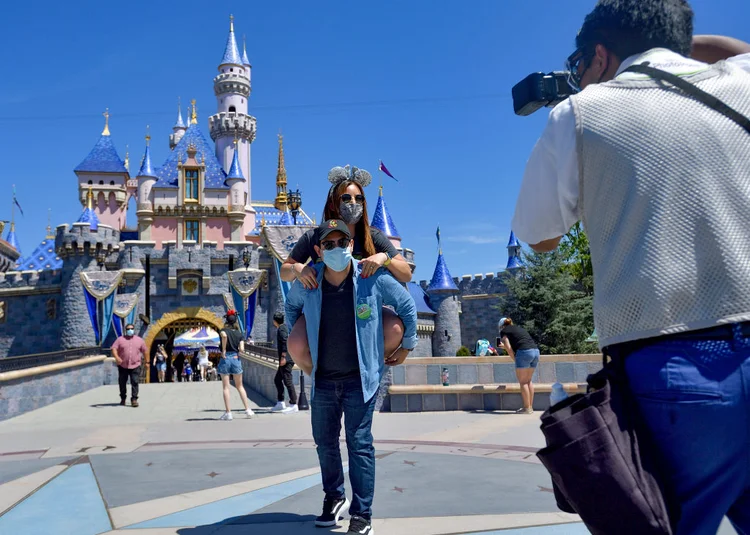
(350, 213)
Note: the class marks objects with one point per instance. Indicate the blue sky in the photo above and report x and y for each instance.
(422, 85)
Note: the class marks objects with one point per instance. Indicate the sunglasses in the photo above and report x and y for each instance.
(576, 65)
(332, 244)
(347, 198)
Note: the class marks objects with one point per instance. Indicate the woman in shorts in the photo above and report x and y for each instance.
(231, 344)
(522, 348)
(203, 362)
(161, 363)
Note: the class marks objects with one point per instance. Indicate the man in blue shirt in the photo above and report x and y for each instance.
(345, 331)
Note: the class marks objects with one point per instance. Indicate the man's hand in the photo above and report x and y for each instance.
(398, 357)
(372, 264)
(282, 362)
(306, 275)
(118, 360)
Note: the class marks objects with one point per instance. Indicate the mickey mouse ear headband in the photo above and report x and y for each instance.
(337, 175)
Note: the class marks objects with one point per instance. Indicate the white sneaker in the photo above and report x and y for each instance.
(226, 416)
(291, 409)
(249, 413)
(279, 407)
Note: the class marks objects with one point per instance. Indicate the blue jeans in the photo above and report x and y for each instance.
(230, 365)
(694, 394)
(527, 358)
(331, 399)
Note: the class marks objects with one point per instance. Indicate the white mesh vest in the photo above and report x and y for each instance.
(665, 200)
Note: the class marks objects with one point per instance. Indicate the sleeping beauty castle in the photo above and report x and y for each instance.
(202, 245)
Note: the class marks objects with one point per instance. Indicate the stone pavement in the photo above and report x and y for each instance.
(86, 466)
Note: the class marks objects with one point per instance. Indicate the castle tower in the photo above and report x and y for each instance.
(178, 130)
(232, 89)
(146, 180)
(245, 61)
(443, 294)
(382, 221)
(236, 182)
(514, 254)
(281, 187)
(104, 172)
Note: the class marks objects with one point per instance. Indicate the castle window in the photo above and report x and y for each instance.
(232, 109)
(192, 229)
(111, 182)
(191, 185)
(51, 309)
(3, 311)
(231, 69)
(101, 182)
(91, 182)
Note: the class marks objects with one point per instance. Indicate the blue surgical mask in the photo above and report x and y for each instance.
(130, 332)
(338, 258)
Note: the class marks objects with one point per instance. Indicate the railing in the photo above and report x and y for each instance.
(262, 350)
(42, 359)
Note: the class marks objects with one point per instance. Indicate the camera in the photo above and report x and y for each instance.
(539, 89)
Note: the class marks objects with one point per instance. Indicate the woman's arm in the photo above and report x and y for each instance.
(507, 347)
(400, 268)
(713, 48)
(291, 269)
(223, 344)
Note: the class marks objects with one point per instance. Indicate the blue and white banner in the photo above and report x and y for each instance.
(244, 283)
(126, 308)
(280, 240)
(100, 289)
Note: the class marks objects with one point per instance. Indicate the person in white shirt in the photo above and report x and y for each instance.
(661, 182)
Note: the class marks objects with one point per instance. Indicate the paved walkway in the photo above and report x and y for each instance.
(87, 466)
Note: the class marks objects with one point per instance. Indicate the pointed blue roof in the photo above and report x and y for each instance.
(421, 299)
(441, 278)
(245, 61)
(286, 218)
(43, 258)
(231, 52)
(146, 168)
(103, 158)
(180, 123)
(513, 242)
(381, 220)
(514, 262)
(168, 173)
(12, 239)
(235, 171)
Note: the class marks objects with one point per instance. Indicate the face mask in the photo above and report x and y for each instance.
(337, 259)
(130, 332)
(350, 213)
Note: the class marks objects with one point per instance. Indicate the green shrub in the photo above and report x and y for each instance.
(463, 351)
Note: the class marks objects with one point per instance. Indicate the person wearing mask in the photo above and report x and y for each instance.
(344, 326)
(161, 363)
(518, 343)
(346, 201)
(231, 344)
(286, 365)
(129, 352)
(653, 156)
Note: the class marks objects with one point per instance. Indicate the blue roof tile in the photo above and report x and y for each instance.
(89, 216)
(235, 171)
(103, 158)
(215, 175)
(231, 52)
(382, 221)
(421, 299)
(146, 168)
(441, 278)
(514, 262)
(272, 216)
(43, 258)
(513, 242)
(286, 218)
(12, 239)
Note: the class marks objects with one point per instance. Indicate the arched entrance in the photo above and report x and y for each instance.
(172, 323)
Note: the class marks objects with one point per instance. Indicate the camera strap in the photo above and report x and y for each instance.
(694, 91)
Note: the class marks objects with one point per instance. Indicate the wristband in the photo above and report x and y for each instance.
(387, 259)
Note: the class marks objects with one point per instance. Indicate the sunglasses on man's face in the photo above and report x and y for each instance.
(332, 244)
(347, 198)
(576, 66)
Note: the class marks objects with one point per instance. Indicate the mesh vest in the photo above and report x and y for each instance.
(665, 200)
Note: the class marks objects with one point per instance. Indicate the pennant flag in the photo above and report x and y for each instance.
(15, 201)
(383, 168)
(440, 246)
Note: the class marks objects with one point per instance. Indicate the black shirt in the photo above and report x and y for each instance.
(337, 343)
(282, 335)
(304, 248)
(234, 337)
(518, 337)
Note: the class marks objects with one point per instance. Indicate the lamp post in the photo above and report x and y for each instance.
(294, 200)
(246, 258)
(101, 257)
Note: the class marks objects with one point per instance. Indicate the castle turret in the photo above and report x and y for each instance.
(146, 180)
(443, 294)
(236, 181)
(105, 173)
(245, 61)
(178, 130)
(382, 221)
(514, 254)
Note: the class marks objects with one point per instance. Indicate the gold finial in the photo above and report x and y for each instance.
(90, 198)
(231, 23)
(281, 197)
(263, 220)
(127, 157)
(148, 135)
(380, 190)
(105, 132)
(194, 113)
(179, 158)
(49, 223)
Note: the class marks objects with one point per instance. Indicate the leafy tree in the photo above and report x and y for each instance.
(463, 351)
(546, 301)
(575, 252)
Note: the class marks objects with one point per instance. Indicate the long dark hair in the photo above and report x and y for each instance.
(362, 228)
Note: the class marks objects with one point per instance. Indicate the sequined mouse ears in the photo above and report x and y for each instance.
(337, 175)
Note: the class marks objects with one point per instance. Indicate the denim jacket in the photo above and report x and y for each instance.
(370, 295)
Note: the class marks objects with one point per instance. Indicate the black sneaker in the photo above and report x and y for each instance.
(333, 511)
(360, 525)
(122, 402)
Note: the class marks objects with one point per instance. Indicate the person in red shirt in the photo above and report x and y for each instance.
(129, 351)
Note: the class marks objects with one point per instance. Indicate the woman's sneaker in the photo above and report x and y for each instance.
(360, 525)
(226, 416)
(280, 406)
(249, 413)
(290, 408)
(333, 511)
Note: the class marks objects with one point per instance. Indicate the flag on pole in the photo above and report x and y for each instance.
(15, 201)
(440, 246)
(384, 169)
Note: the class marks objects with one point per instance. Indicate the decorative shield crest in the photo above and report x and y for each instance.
(245, 281)
(100, 283)
(124, 304)
(281, 239)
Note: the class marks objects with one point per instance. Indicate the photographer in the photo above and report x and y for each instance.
(661, 181)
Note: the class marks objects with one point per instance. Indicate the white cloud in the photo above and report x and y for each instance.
(477, 240)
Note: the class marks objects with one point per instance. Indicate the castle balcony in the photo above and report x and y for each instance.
(227, 123)
(232, 82)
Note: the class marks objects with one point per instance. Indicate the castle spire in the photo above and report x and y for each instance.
(194, 113)
(245, 61)
(146, 167)
(49, 224)
(281, 200)
(231, 52)
(235, 171)
(514, 253)
(180, 123)
(105, 132)
(382, 220)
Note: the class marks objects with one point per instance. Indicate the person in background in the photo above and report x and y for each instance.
(521, 348)
(129, 352)
(161, 363)
(229, 365)
(178, 363)
(187, 370)
(375, 252)
(194, 365)
(203, 362)
(286, 365)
